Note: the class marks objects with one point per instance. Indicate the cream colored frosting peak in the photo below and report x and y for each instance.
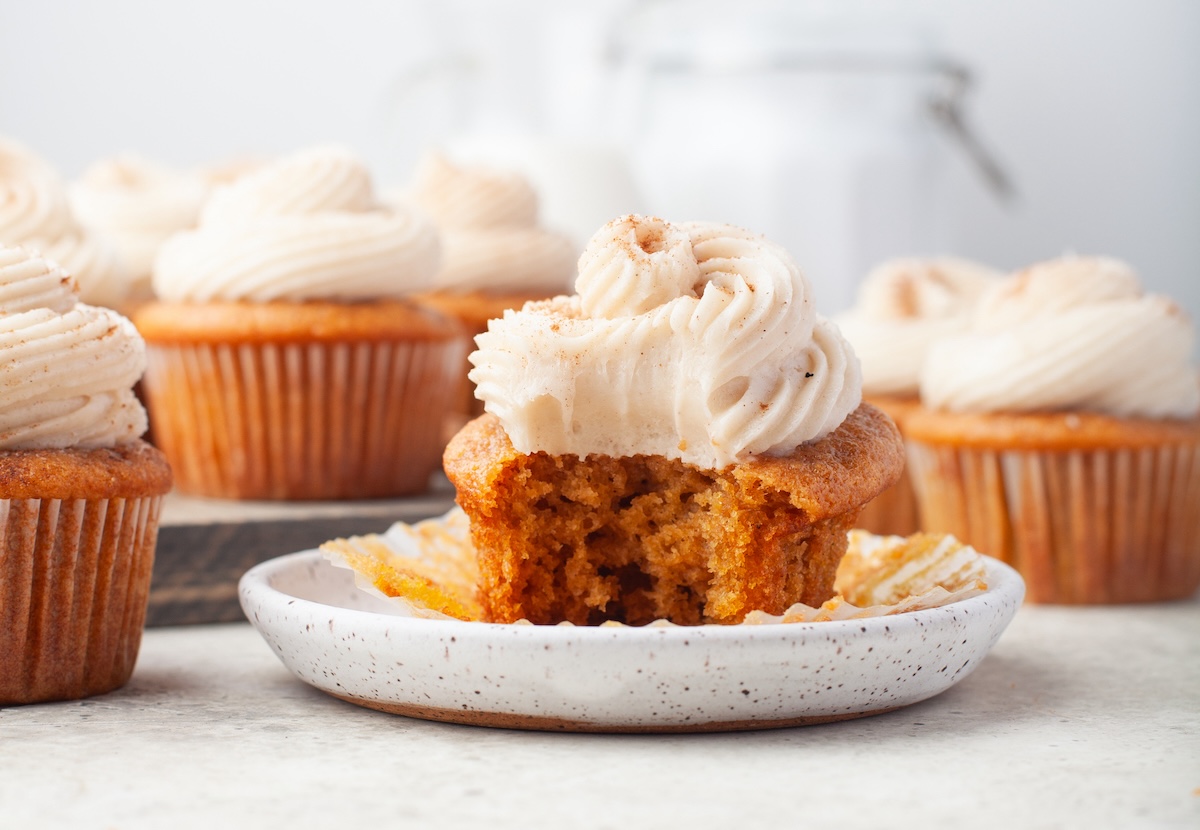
(1048, 289)
(1071, 333)
(306, 227)
(473, 197)
(903, 307)
(491, 237)
(28, 282)
(69, 369)
(35, 212)
(696, 341)
(137, 204)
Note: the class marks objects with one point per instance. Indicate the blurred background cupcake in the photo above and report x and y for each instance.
(285, 358)
(80, 494)
(35, 212)
(903, 307)
(136, 204)
(496, 253)
(1062, 434)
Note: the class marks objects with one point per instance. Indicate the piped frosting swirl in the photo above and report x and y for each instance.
(1071, 333)
(491, 238)
(904, 306)
(137, 204)
(35, 213)
(696, 341)
(306, 227)
(69, 369)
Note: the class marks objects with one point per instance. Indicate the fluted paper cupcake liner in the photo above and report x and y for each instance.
(302, 420)
(74, 584)
(430, 570)
(1082, 526)
(893, 512)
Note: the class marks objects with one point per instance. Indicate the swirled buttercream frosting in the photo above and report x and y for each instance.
(137, 204)
(307, 227)
(1071, 333)
(903, 307)
(69, 369)
(694, 341)
(35, 213)
(491, 238)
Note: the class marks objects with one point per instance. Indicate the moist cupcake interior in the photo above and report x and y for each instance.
(641, 538)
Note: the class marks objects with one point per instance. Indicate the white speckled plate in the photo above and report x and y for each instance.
(354, 646)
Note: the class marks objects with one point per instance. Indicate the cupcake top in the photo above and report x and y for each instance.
(35, 212)
(695, 341)
(137, 204)
(903, 307)
(1075, 333)
(307, 227)
(491, 239)
(229, 170)
(69, 369)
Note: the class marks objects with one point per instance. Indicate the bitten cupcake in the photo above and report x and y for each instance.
(495, 253)
(285, 360)
(1062, 434)
(79, 492)
(903, 307)
(682, 439)
(35, 213)
(136, 204)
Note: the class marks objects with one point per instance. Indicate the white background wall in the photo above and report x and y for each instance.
(1093, 105)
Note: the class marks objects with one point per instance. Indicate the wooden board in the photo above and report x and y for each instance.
(205, 545)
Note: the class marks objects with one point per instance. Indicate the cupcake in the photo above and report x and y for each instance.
(1062, 434)
(903, 307)
(682, 439)
(35, 213)
(79, 492)
(229, 170)
(495, 254)
(136, 204)
(284, 358)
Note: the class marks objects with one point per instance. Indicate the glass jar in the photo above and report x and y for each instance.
(829, 139)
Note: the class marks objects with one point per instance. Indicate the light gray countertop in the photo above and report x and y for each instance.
(1078, 718)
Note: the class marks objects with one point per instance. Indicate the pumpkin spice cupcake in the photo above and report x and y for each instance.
(1062, 435)
(79, 492)
(903, 307)
(683, 439)
(285, 358)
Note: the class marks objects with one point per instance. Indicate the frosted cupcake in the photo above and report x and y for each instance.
(35, 213)
(1062, 434)
(682, 439)
(136, 204)
(903, 307)
(285, 360)
(495, 253)
(79, 492)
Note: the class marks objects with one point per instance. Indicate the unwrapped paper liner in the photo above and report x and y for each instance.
(428, 570)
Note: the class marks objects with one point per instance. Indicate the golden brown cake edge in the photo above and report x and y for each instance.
(283, 321)
(132, 470)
